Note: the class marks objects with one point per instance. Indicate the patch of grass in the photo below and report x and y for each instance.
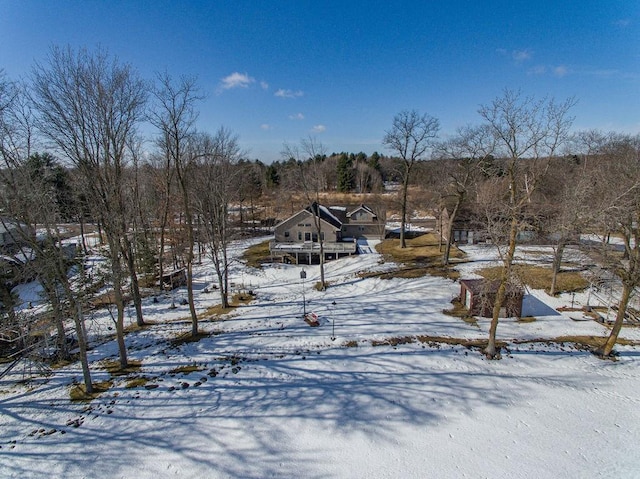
(257, 254)
(187, 369)
(114, 368)
(527, 319)
(137, 382)
(242, 298)
(318, 285)
(436, 341)
(214, 312)
(467, 343)
(186, 338)
(61, 363)
(421, 257)
(459, 310)
(393, 341)
(351, 344)
(539, 277)
(78, 393)
(585, 342)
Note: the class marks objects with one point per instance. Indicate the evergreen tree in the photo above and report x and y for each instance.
(345, 173)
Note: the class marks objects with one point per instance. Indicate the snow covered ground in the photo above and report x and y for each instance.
(273, 397)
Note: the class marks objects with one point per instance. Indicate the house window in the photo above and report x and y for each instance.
(308, 225)
(322, 235)
(286, 234)
(300, 225)
(307, 236)
(299, 236)
(314, 237)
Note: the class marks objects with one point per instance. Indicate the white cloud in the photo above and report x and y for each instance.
(538, 70)
(264, 85)
(236, 80)
(318, 128)
(521, 55)
(622, 23)
(297, 116)
(560, 71)
(282, 93)
(266, 127)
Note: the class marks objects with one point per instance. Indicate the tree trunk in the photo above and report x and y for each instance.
(447, 248)
(82, 236)
(491, 351)
(555, 267)
(135, 286)
(78, 320)
(192, 306)
(116, 269)
(56, 307)
(607, 349)
(122, 348)
(191, 243)
(403, 220)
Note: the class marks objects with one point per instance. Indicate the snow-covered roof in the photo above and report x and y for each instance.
(325, 214)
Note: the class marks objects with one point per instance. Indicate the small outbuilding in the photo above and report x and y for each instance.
(479, 296)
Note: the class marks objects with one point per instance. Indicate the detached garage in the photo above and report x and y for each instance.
(479, 296)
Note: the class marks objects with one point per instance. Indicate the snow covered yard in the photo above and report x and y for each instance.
(268, 396)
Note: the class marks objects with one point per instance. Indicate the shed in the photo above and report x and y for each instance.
(479, 296)
(173, 279)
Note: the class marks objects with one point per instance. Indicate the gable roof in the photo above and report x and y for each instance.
(324, 214)
(362, 207)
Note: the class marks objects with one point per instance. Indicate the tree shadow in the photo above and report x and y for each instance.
(254, 417)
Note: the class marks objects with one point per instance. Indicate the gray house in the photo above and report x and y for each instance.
(296, 238)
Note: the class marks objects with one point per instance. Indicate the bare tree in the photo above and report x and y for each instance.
(617, 209)
(175, 117)
(469, 148)
(310, 156)
(411, 136)
(28, 199)
(528, 133)
(214, 186)
(90, 106)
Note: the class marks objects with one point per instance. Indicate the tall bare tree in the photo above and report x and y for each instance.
(310, 155)
(174, 116)
(411, 137)
(468, 148)
(215, 183)
(618, 213)
(27, 197)
(89, 107)
(528, 133)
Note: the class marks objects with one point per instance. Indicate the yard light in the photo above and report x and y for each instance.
(333, 322)
(303, 275)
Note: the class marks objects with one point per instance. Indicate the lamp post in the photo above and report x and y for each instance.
(303, 275)
(333, 322)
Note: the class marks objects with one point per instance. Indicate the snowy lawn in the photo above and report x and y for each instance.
(272, 397)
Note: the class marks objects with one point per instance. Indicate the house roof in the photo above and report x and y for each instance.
(324, 214)
(362, 207)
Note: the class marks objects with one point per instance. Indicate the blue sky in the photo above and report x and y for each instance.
(279, 71)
